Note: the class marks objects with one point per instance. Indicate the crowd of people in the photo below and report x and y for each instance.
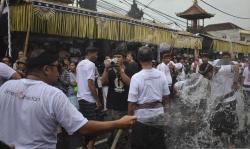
(45, 90)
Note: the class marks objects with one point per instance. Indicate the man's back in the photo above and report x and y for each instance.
(148, 85)
(30, 112)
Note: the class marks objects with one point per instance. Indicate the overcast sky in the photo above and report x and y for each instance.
(237, 7)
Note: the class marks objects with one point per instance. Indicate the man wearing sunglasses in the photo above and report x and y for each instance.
(31, 109)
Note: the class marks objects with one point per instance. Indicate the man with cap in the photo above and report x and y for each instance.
(31, 109)
(87, 94)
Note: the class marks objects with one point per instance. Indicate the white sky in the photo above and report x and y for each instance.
(237, 7)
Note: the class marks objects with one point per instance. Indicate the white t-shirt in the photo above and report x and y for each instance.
(5, 73)
(197, 68)
(31, 111)
(181, 76)
(246, 75)
(148, 85)
(85, 71)
(215, 62)
(179, 85)
(222, 81)
(165, 69)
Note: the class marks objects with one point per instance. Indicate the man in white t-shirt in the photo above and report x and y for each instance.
(246, 82)
(147, 94)
(7, 73)
(31, 109)
(87, 95)
(225, 83)
(166, 67)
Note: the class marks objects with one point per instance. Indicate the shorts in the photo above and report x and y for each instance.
(88, 110)
(147, 137)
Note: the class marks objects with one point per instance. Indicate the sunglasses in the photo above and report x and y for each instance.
(59, 68)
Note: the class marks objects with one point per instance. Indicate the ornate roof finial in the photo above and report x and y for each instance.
(195, 1)
(135, 12)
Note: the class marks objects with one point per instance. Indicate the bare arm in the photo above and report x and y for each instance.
(102, 127)
(15, 76)
(105, 74)
(164, 100)
(242, 80)
(235, 69)
(131, 108)
(124, 77)
(92, 88)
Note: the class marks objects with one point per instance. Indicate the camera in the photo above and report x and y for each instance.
(112, 62)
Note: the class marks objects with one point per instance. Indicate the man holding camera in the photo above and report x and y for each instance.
(117, 77)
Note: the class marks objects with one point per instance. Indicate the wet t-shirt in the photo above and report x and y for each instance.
(222, 82)
(246, 75)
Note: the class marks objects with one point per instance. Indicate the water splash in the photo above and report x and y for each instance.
(200, 118)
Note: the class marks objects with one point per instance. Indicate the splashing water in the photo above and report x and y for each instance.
(205, 116)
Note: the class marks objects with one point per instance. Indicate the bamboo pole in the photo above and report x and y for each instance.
(9, 32)
(117, 136)
(25, 49)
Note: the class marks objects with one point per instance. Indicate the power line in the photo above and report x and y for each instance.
(109, 6)
(148, 4)
(125, 11)
(159, 12)
(128, 4)
(170, 18)
(224, 11)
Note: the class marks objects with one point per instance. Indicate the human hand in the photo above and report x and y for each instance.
(107, 63)
(98, 105)
(119, 69)
(126, 121)
(235, 86)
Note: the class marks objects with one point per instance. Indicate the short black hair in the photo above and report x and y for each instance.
(91, 49)
(165, 53)
(205, 68)
(145, 54)
(41, 57)
(119, 51)
(132, 53)
(10, 59)
(226, 54)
